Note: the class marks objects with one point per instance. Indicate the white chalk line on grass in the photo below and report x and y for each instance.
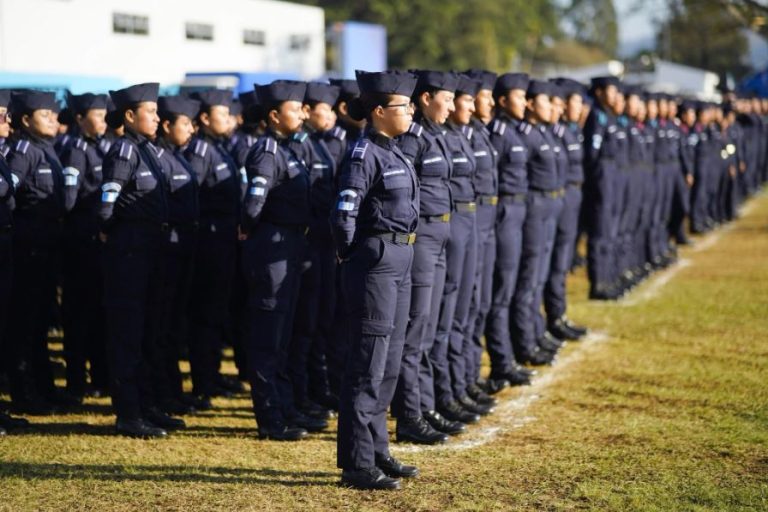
(653, 287)
(512, 414)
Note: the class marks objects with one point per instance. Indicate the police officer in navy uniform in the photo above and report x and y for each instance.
(543, 205)
(275, 217)
(315, 308)
(82, 297)
(486, 185)
(461, 257)
(41, 200)
(571, 139)
(221, 183)
(134, 213)
(509, 96)
(600, 169)
(174, 133)
(7, 190)
(374, 222)
(420, 418)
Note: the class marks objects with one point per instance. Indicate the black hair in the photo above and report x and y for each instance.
(361, 107)
(171, 117)
(204, 109)
(421, 90)
(269, 107)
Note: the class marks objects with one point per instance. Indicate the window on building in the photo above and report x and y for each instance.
(200, 31)
(130, 24)
(299, 43)
(254, 37)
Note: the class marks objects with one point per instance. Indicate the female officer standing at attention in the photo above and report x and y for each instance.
(425, 145)
(215, 256)
(374, 220)
(276, 214)
(134, 211)
(42, 198)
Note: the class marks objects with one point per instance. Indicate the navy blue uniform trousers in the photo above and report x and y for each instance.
(376, 287)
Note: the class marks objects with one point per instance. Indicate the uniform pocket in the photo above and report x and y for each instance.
(145, 181)
(44, 180)
(434, 166)
(222, 172)
(374, 346)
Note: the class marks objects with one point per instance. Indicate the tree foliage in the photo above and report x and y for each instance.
(704, 34)
(594, 24)
(452, 33)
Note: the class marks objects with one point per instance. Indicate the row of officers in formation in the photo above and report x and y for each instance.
(359, 244)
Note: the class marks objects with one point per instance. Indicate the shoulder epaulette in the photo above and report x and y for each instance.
(126, 150)
(201, 148)
(4, 150)
(358, 152)
(300, 137)
(270, 145)
(22, 146)
(416, 129)
(339, 132)
(499, 127)
(468, 131)
(81, 144)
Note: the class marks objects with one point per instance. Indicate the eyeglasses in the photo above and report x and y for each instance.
(405, 107)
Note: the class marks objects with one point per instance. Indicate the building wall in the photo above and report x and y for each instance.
(76, 37)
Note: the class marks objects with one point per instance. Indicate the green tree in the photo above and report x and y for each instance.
(704, 34)
(593, 23)
(454, 34)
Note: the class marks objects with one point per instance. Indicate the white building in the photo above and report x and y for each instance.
(158, 40)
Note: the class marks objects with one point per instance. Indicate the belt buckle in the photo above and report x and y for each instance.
(306, 230)
(472, 206)
(411, 238)
(446, 217)
(494, 200)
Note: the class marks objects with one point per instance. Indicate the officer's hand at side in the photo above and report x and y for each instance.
(240, 235)
(102, 237)
(689, 180)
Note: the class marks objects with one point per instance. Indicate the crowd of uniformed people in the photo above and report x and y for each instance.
(359, 244)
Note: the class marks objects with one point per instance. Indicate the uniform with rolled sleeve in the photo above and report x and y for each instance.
(374, 223)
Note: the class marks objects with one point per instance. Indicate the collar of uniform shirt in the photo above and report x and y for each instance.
(134, 136)
(381, 140)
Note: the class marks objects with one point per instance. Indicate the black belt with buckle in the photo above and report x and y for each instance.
(488, 200)
(470, 207)
(446, 217)
(512, 198)
(398, 238)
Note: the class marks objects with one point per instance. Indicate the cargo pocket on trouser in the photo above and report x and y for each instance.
(369, 360)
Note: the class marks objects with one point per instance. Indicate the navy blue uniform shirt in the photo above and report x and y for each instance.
(134, 188)
(486, 179)
(512, 155)
(424, 145)
(379, 192)
(278, 185)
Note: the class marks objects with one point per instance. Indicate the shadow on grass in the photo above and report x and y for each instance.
(119, 473)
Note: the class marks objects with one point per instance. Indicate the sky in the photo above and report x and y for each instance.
(637, 23)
